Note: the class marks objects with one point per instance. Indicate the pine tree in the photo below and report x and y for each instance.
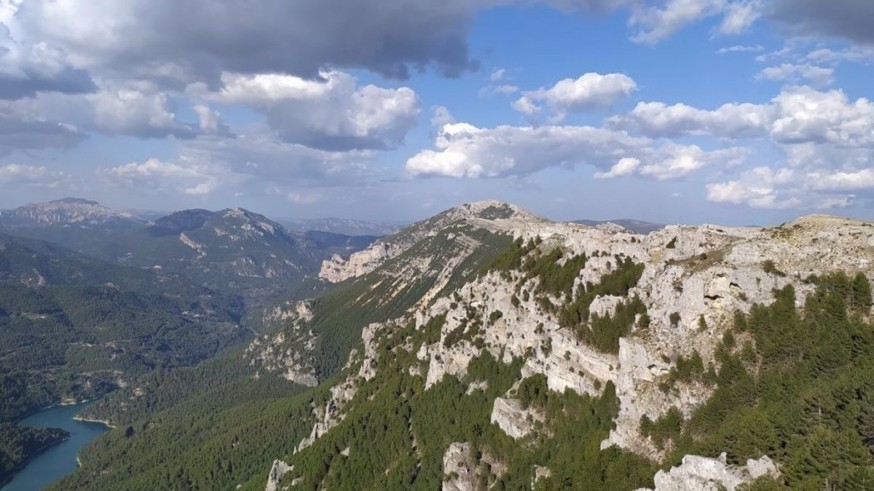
(861, 293)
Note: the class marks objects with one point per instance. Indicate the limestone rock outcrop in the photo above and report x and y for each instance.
(705, 474)
(512, 418)
(277, 472)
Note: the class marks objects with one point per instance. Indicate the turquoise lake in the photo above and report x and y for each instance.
(60, 460)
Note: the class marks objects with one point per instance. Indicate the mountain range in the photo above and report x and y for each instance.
(490, 348)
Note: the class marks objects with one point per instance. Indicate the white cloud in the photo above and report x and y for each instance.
(827, 140)
(657, 23)
(31, 175)
(505, 89)
(739, 16)
(625, 167)
(210, 121)
(735, 192)
(332, 113)
(498, 74)
(305, 197)
(817, 75)
(128, 111)
(673, 161)
(740, 48)
(729, 120)
(135, 110)
(760, 187)
(796, 115)
(814, 186)
(856, 54)
(257, 157)
(589, 91)
(807, 115)
(842, 180)
(190, 178)
(464, 150)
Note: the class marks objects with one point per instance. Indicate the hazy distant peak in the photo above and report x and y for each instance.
(76, 201)
(180, 221)
(65, 211)
(636, 226)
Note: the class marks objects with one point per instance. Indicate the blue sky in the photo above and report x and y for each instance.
(674, 111)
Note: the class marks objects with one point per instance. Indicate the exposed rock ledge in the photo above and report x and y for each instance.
(705, 474)
(510, 417)
(462, 471)
(279, 469)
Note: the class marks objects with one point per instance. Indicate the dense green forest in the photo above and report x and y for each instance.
(396, 432)
(75, 328)
(796, 386)
(77, 342)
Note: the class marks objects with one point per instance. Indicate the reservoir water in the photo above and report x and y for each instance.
(59, 460)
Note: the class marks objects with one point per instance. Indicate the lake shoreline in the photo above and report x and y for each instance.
(6, 479)
(55, 461)
(89, 420)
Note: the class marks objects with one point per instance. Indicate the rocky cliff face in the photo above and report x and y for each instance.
(693, 280)
(705, 474)
(488, 215)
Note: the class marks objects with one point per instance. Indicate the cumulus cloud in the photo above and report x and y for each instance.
(796, 115)
(133, 110)
(657, 119)
(210, 121)
(673, 161)
(783, 188)
(331, 113)
(807, 115)
(255, 162)
(29, 68)
(792, 72)
(128, 111)
(258, 156)
(173, 43)
(31, 175)
(589, 91)
(189, 178)
(464, 150)
(826, 138)
(625, 167)
(842, 180)
(201, 39)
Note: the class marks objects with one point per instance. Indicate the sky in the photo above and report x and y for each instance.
(674, 111)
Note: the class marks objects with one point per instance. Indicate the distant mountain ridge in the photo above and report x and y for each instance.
(342, 226)
(234, 251)
(67, 211)
(636, 226)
